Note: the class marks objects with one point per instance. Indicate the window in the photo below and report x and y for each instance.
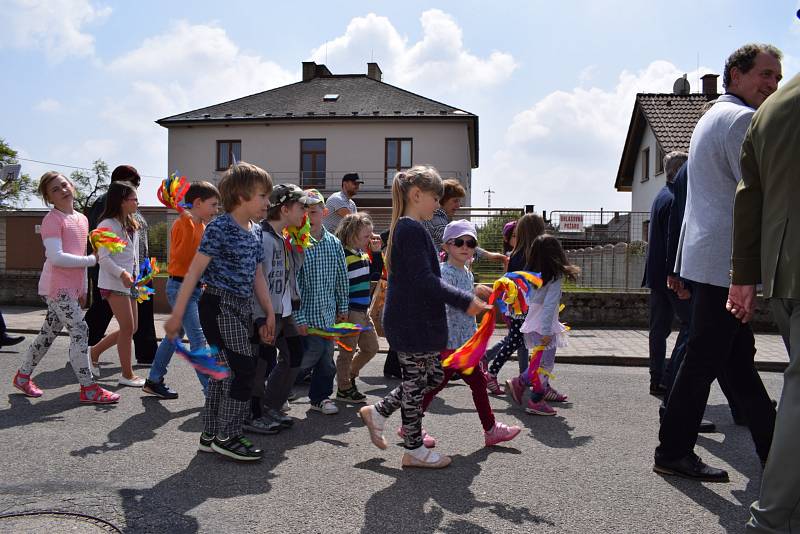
(646, 164)
(659, 159)
(312, 163)
(228, 153)
(398, 157)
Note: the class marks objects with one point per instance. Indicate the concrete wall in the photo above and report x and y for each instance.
(643, 193)
(351, 146)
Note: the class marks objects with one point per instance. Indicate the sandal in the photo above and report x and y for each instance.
(374, 422)
(94, 394)
(27, 387)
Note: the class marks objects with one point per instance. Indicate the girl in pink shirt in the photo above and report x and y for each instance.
(63, 286)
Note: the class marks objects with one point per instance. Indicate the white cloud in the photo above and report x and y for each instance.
(54, 26)
(564, 151)
(438, 60)
(48, 105)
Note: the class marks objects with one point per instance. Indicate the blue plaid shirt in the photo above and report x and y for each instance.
(322, 280)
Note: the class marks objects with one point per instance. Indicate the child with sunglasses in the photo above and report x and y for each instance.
(459, 241)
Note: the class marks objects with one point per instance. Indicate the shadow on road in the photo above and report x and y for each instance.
(25, 411)
(405, 506)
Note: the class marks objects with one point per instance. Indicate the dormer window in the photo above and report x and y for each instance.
(331, 97)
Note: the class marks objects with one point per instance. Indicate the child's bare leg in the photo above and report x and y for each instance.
(124, 309)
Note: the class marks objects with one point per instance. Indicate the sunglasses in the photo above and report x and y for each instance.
(460, 242)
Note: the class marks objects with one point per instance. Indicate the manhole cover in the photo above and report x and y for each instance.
(36, 522)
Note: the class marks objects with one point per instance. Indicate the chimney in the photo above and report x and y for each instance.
(710, 84)
(309, 69)
(374, 71)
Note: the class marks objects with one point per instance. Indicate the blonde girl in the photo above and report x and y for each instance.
(63, 285)
(117, 274)
(414, 316)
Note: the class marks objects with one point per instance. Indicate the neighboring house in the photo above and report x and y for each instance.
(314, 131)
(660, 123)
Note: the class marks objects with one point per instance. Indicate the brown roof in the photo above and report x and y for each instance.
(672, 118)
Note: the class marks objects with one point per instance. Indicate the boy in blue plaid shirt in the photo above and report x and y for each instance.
(324, 294)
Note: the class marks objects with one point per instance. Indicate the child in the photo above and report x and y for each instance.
(323, 302)
(187, 231)
(63, 286)
(117, 274)
(229, 262)
(281, 263)
(541, 326)
(355, 233)
(459, 241)
(529, 227)
(414, 315)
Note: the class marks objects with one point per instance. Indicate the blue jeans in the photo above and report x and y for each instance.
(191, 327)
(318, 357)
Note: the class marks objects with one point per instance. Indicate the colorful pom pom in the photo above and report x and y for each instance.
(104, 237)
(298, 238)
(172, 191)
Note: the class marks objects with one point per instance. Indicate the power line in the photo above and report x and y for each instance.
(76, 167)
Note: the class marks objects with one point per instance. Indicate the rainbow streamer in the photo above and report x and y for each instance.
(339, 330)
(143, 293)
(204, 360)
(298, 238)
(509, 292)
(147, 270)
(172, 190)
(104, 237)
(533, 370)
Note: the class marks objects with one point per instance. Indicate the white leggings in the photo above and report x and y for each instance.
(62, 311)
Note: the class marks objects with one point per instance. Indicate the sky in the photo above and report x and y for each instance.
(553, 83)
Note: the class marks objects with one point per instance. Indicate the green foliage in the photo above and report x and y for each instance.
(14, 193)
(490, 237)
(90, 185)
(157, 238)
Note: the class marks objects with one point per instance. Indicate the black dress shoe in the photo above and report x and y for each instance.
(706, 427)
(7, 341)
(657, 390)
(691, 467)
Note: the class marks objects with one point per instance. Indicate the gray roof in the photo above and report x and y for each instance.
(360, 97)
(672, 118)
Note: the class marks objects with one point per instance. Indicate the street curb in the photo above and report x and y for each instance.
(602, 360)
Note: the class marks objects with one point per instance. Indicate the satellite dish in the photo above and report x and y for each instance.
(681, 86)
(9, 173)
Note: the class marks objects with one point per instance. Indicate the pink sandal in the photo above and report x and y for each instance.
(94, 394)
(27, 387)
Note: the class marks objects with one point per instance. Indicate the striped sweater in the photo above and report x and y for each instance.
(358, 275)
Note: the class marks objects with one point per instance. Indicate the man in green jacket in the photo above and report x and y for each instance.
(766, 249)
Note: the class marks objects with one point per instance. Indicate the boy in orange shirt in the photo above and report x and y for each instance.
(185, 238)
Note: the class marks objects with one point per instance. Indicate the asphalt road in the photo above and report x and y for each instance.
(587, 470)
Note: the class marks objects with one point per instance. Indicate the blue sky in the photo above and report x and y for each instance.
(552, 82)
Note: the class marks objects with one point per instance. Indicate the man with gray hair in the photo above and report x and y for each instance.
(717, 340)
(664, 303)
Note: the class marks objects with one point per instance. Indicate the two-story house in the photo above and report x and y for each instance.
(314, 131)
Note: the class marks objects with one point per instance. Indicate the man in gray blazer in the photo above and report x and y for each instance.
(717, 339)
(766, 249)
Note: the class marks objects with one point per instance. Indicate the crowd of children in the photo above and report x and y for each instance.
(237, 282)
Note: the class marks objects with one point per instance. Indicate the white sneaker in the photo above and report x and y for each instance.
(135, 382)
(326, 406)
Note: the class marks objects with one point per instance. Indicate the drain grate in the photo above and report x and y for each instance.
(54, 521)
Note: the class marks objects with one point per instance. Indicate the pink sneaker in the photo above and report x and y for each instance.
(26, 385)
(554, 396)
(94, 394)
(515, 388)
(539, 408)
(427, 440)
(500, 433)
(493, 386)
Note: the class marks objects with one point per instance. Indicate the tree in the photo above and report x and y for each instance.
(13, 193)
(90, 185)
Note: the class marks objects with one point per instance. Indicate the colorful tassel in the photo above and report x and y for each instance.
(104, 237)
(339, 330)
(147, 270)
(298, 238)
(172, 190)
(204, 360)
(509, 292)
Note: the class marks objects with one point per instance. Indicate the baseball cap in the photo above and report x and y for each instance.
(314, 197)
(352, 177)
(283, 193)
(456, 229)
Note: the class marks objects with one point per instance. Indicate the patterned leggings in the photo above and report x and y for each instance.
(510, 344)
(62, 311)
(422, 372)
(227, 320)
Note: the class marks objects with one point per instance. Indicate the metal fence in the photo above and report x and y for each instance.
(609, 247)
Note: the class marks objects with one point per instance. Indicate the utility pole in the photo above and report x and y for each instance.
(489, 197)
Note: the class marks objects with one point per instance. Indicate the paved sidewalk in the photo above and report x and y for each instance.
(611, 346)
